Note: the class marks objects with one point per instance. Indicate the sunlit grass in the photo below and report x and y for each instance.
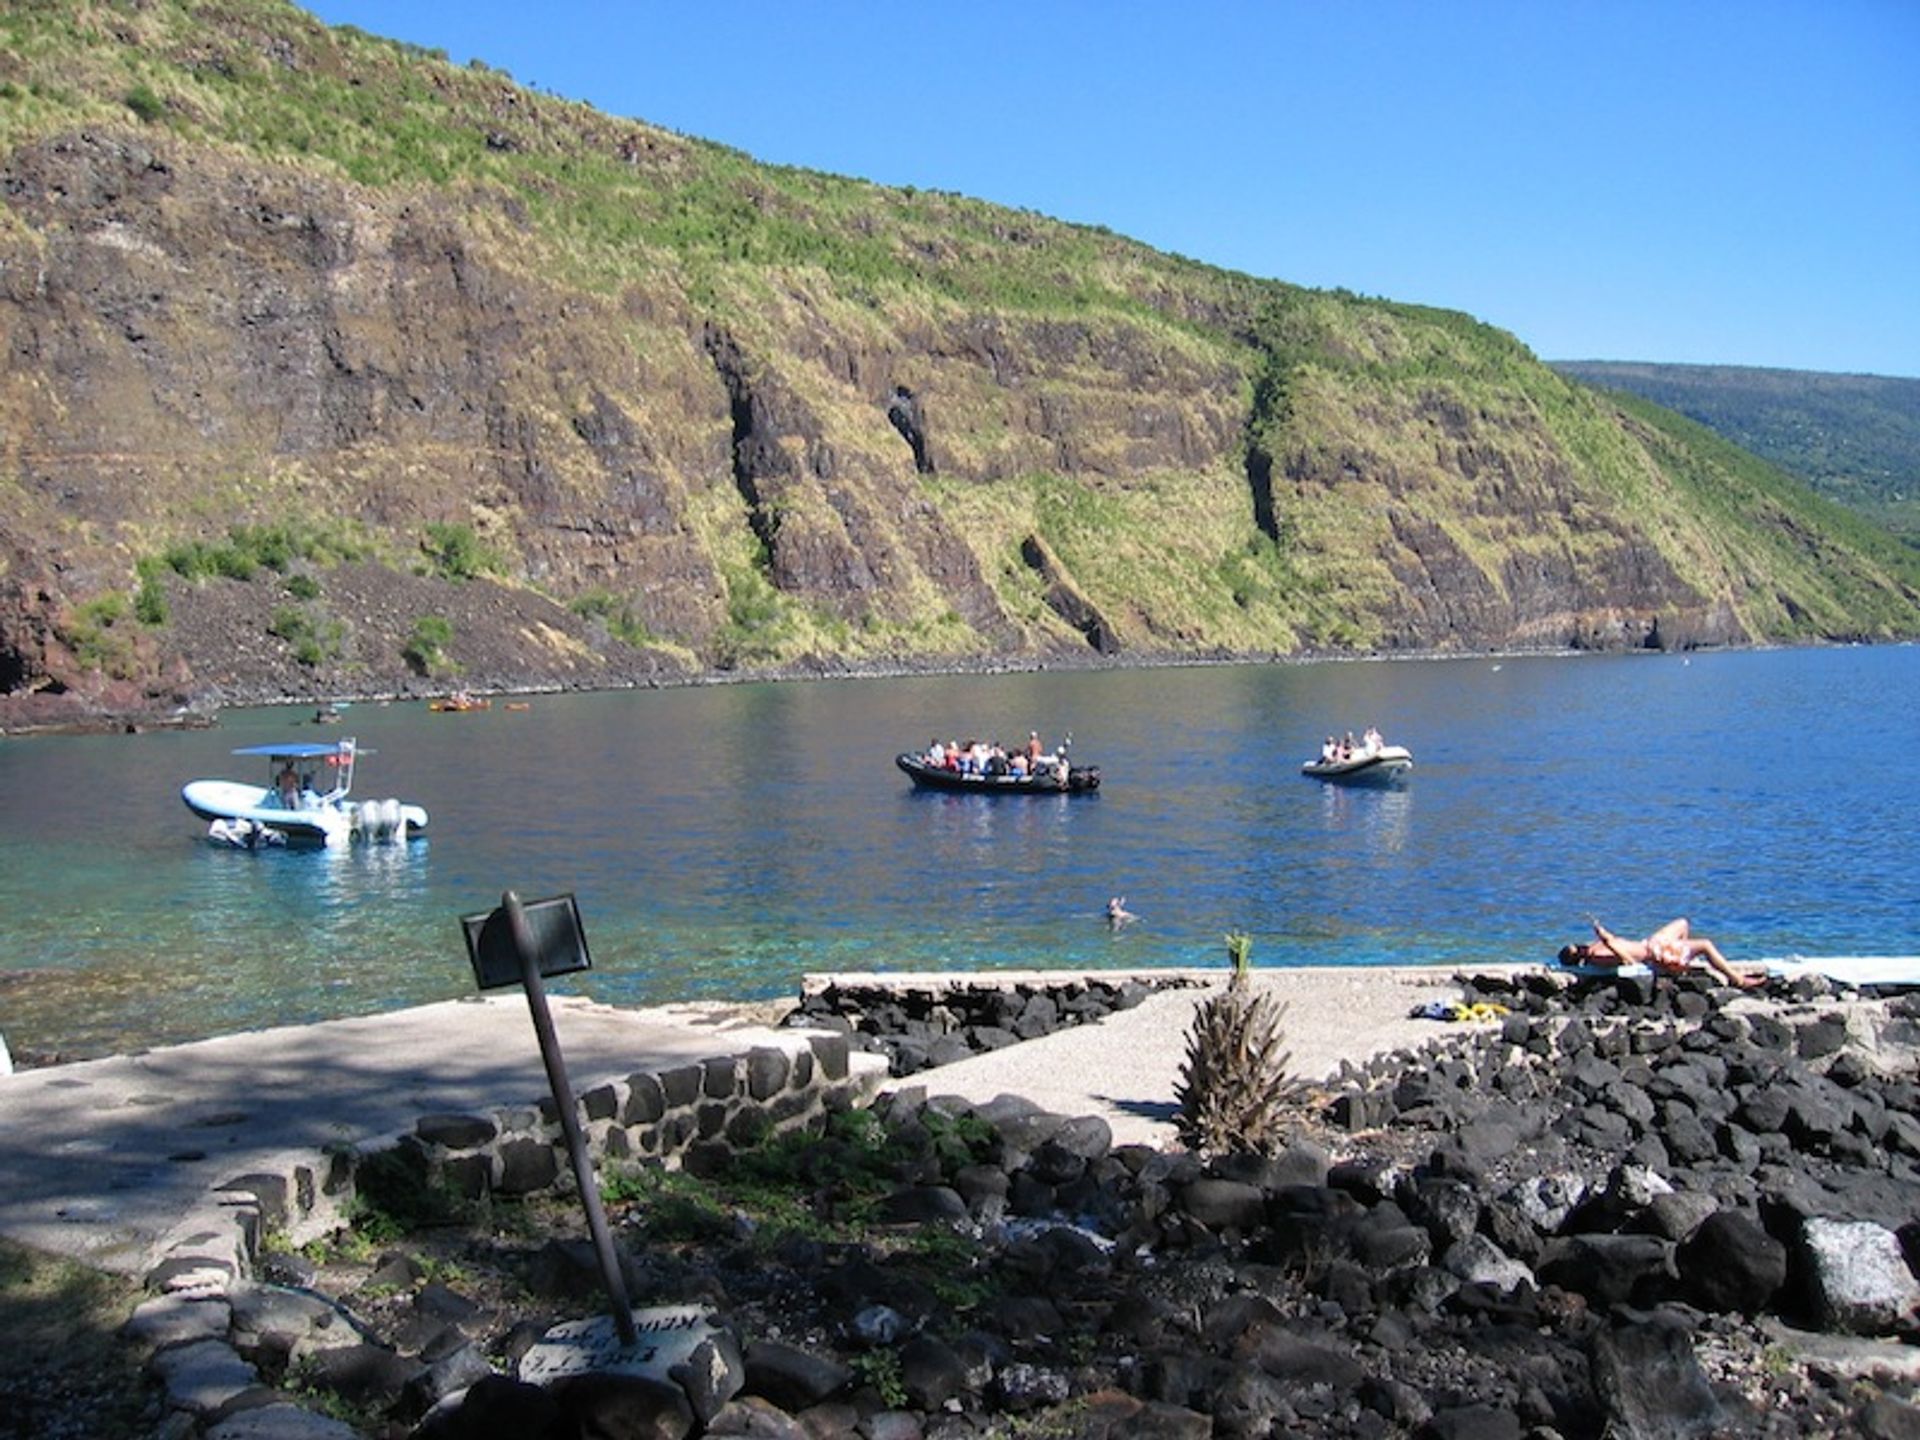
(63, 1366)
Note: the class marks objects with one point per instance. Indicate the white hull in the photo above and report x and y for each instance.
(327, 823)
(1379, 767)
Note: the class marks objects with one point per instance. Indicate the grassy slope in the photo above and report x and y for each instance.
(1854, 438)
(1174, 558)
(1812, 567)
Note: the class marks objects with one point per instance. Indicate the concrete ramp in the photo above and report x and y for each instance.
(101, 1160)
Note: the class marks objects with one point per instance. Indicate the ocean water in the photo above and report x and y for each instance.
(723, 841)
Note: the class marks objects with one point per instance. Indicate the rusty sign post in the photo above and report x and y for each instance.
(524, 943)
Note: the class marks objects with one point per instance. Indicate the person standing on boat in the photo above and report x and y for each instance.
(1371, 740)
(286, 787)
(1329, 752)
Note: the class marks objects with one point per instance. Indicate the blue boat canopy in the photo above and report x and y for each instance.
(302, 750)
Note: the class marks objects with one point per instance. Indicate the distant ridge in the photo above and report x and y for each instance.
(1855, 438)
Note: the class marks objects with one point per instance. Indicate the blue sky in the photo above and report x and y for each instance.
(1687, 180)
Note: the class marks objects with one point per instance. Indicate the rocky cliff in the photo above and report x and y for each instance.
(335, 369)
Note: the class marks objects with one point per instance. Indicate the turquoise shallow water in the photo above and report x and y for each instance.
(723, 841)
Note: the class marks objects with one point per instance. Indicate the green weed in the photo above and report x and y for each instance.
(144, 103)
(619, 615)
(426, 647)
(248, 549)
(454, 552)
(394, 1195)
(882, 1370)
(99, 638)
(150, 599)
(315, 638)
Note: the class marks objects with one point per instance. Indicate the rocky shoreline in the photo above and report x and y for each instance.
(923, 1028)
(125, 709)
(1634, 1208)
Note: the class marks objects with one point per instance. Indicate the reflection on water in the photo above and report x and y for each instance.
(1380, 817)
(723, 841)
(1029, 823)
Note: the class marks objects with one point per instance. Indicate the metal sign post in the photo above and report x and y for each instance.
(520, 942)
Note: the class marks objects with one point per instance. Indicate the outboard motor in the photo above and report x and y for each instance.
(370, 820)
(375, 821)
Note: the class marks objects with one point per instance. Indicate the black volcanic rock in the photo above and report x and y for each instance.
(1731, 1263)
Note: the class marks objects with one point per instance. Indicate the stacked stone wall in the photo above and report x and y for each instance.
(693, 1114)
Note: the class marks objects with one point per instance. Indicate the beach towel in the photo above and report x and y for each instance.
(1457, 1010)
(1856, 970)
(1850, 969)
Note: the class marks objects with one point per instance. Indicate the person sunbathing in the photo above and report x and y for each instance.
(1670, 950)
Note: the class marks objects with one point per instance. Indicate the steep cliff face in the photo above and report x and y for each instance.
(573, 402)
(1478, 530)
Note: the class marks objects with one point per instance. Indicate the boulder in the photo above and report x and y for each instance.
(790, 1377)
(1479, 1261)
(632, 1407)
(1608, 1269)
(281, 1422)
(711, 1375)
(1224, 1204)
(1859, 1280)
(1731, 1264)
(1650, 1385)
(1547, 1200)
(368, 1377)
(202, 1375)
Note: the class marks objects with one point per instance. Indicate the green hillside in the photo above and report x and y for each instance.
(574, 400)
(1853, 438)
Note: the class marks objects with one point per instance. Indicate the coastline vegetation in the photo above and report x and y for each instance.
(427, 645)
(455, 552)
(100, 640)
(1854, 438)
(315, 636)
(619, 614)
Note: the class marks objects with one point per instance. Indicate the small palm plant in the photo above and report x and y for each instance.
(1233, 1083)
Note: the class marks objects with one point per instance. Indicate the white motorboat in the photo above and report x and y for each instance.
(1370, 765)
(304, 802)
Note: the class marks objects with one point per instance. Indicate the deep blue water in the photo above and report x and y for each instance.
(723, 841)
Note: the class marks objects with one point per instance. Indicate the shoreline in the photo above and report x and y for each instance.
(1362, 983)
(30, 1059)
(203, 711)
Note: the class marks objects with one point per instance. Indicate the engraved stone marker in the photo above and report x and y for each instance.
(667, 1335)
